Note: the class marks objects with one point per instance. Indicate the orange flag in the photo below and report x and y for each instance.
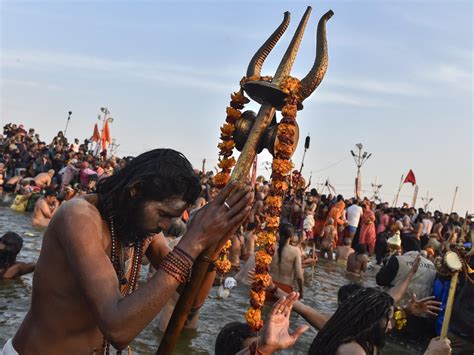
(96, 135)
(106, 139)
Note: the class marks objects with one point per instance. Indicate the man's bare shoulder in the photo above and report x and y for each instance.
(77, 213)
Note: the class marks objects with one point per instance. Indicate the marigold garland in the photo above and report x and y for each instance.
(227, 162)
(281, 168)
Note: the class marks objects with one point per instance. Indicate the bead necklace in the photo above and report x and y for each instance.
(118, 261)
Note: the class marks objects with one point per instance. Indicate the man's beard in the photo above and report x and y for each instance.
(131, 231)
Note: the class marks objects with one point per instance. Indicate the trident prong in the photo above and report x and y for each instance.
(270, 95)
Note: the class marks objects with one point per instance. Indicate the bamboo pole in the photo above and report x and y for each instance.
(395, 201)
(454, 199)
(449, 305)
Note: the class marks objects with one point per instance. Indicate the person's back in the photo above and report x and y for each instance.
(422, 282)
(357, 261)
(343, 252)
(286, 264)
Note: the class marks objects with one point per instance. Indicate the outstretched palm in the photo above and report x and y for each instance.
(276, 334)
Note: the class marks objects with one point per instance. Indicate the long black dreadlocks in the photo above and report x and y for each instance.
(362, 318)
(156, 175)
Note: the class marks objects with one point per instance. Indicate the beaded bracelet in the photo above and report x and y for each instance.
(178, 266)
(182, 252)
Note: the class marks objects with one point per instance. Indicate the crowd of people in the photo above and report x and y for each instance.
(164, 213)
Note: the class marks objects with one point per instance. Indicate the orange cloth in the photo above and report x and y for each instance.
(336, 213)
(284, 287)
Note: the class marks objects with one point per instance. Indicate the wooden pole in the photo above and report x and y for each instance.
(449, 305)
(395, 201)
(454, 199)
(415, 195)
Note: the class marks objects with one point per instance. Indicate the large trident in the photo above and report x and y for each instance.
(271, 98)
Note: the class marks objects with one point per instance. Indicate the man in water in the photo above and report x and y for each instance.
(360, 326)
(10, 245)
(44, 210)
(357, 261)
(43, 180)
(286, 264)
(343, 252)
(75, 276)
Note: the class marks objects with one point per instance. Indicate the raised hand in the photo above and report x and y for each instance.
(220, 218)
(276, 335)
(426, 305)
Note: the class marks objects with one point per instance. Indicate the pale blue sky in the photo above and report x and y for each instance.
(400, 81)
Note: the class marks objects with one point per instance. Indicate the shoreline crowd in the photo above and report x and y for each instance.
(400, 244)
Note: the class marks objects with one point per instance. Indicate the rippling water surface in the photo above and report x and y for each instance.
(320, 292)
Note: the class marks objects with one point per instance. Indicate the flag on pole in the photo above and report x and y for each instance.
(106, 139)
(410, 178)
(96, 135)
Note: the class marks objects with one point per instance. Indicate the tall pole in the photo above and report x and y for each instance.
(454, 199)
(427, 200)
(359, 158)
(415, 195)
(376, 187)
(395, 201)
(67, 122)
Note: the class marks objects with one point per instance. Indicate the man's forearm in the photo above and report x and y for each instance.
(130, 315)
(312, 316)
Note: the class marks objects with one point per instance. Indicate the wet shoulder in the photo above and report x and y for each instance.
(76, 213)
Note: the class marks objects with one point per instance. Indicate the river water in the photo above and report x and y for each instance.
(320, 292)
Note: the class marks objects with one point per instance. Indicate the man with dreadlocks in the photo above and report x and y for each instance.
(76, 306)
(360, 326)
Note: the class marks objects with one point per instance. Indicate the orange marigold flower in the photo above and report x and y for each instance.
(283, 148)
(232, 114)
(221, 179)
(226, 146)
(274, 201)
(254, 319)
(264, 238)
(226, 164)
(262, 258)
(239, 98)
(266, 78)
(262, 279)
(272, 222)
(280, 186)
(222, 266)
(286, 130)
(228, 129)
(282, 166)
(257, 298)
(290, 85)
(289, 111)
(226, 246)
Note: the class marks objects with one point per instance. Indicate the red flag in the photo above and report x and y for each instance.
(410, 178)
(96, 135)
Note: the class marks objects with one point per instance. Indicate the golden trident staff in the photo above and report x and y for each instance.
(271, 97)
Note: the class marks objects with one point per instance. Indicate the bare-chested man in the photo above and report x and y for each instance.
(343, 252)
(236, 250)
(249, 237)
(329, 237)
(10, 245)
(43, 180)
(76, 300)
(44, 210)
(357, 261)
(286, 264)
(12, 183)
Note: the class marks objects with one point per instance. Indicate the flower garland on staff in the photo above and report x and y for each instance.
(281, 168)
(226, 163)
